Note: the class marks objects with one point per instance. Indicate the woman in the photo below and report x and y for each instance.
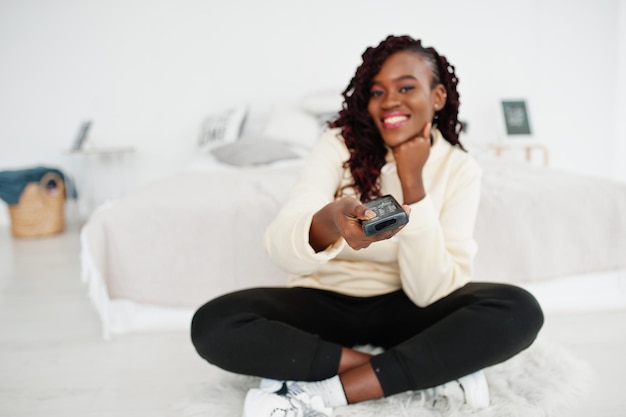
(407, 290)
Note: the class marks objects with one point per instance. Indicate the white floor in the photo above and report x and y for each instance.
(54, 362)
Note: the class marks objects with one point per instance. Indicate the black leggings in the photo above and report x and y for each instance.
(298, 333)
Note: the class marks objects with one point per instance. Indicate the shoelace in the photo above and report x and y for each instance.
(435, 394)
(282, 412)
(296, 404)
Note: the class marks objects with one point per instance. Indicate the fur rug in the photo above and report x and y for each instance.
(542, 381)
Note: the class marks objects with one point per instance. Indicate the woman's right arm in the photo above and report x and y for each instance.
(312, 227)
(341, 219)
(294, 240)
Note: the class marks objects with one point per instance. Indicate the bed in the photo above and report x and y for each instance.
(151, 258)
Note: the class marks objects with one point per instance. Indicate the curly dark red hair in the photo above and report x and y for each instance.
(366, 146)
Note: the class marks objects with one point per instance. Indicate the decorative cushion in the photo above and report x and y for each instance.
(251, 152)
(291, 125)
(322, 103)
(222, 128)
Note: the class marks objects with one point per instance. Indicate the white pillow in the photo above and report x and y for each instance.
(252, 152)
(222, 128)
(322, 103)
(291, 125)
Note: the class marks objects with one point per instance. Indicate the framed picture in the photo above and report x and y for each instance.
(81, 136)
(516, 121)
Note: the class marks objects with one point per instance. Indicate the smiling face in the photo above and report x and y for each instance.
(402, 100)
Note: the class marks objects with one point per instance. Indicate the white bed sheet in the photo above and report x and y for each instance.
(557, 288)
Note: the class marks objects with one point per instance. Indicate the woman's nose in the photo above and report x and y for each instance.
(390, 100)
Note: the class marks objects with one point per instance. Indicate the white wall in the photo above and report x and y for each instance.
(619, 162)
(147, 71)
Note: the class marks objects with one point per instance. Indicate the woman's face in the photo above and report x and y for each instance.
(401, 99)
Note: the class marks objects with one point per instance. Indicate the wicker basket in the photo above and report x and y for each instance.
(39, 211)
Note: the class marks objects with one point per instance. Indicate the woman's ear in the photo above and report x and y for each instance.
(440, 96)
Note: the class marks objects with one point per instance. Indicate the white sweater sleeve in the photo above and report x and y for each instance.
(436, 251)
(286, 239)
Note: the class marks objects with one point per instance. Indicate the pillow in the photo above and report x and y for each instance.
(323, 103)
(251, 152)
(221, 128)
(291, 125)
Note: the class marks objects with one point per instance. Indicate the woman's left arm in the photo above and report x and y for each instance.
(436, 249)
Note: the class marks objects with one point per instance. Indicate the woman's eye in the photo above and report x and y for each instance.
(376, 93)
(406, 88)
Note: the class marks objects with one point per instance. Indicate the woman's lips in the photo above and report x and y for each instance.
(391, 121)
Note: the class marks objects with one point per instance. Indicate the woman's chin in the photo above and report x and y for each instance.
(393, 139)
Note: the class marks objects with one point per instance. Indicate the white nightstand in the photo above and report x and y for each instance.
(100, 175)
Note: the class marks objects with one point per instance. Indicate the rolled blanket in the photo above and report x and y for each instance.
(12, 183)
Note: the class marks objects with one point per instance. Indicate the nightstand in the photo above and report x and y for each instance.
(101, 175)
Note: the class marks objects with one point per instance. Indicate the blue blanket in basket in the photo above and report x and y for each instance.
(12, 183)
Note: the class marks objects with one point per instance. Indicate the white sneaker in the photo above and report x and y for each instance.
(267, 402)
(471, 390)
(271, 385)
(476, 390)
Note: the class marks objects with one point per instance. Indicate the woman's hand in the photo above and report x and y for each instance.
(410, 157)
(342, 218)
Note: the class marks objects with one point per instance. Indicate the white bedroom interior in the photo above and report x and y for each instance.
(147, 73)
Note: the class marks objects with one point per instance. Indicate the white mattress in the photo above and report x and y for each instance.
(599, 291)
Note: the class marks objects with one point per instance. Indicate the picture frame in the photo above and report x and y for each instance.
(81, 137)
(516, 124)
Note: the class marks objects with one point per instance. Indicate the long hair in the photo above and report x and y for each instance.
(366, 146)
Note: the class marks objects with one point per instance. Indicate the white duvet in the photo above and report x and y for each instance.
(150, 259)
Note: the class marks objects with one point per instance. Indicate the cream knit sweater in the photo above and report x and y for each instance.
(431, 257)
